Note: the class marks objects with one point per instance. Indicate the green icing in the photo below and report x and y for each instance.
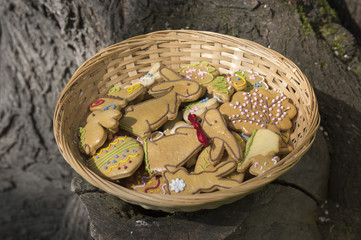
(221, 85)
(248, 146)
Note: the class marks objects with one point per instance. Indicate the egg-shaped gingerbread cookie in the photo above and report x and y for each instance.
(120, 159)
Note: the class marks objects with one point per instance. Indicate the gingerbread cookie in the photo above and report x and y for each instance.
(120, 159)
(198, 108)
(220, 89)
(140, 181)
(203, 73)
(285, 146)
(170, 75)
(263, 142)
(180, 182)
(94, 134)
(150, 78)
(117, 98)
(178, 148)
(204, 164)
(236, 80)
(172, 127)
(258, 109)
(175, 149)
(143, 118)
(221, 138)
(260, 163)
(254, 80)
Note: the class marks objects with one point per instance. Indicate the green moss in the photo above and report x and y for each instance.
(356, 69)
(306, 25)
(323, 64)
(328, 29)
(326, 10)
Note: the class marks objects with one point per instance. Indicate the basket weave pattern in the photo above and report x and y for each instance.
(133, 58)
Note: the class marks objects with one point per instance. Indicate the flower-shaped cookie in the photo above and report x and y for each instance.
(258, 109)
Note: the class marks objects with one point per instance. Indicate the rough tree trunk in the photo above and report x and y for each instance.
(43, 42)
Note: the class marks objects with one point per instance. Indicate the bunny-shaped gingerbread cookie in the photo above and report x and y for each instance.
(117, 98)
(221, 138)
(143, 118)
(180, 182)
(94, 133)
(176, 149)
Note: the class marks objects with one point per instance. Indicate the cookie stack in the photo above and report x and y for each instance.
(187, 131)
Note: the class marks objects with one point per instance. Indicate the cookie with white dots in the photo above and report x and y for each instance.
(120, 159)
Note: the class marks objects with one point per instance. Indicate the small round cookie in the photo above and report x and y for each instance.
(120, 159)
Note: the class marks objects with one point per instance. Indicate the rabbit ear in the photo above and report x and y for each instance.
(169, 75)
(213, 120)
(161, 88)
(225, 168)
(134, 91)
(216, 151)
(170, 168)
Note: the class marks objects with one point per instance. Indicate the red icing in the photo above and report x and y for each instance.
(149, 188)
(130, 161)
(125, 167)
(118, 168)
(97, 103)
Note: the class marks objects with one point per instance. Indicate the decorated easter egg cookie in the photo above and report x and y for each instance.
(120, 159)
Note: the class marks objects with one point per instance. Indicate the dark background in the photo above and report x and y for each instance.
(44, 42)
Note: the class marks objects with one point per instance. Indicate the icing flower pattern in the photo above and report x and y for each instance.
(259, 109)
(177, 185)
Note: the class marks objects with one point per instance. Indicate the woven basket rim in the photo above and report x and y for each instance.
(188, 202)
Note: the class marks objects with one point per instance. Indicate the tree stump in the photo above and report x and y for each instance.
(44, 42)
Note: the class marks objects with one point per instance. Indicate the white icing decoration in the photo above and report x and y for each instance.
(151, 136)
(177, 185)
(219, 100)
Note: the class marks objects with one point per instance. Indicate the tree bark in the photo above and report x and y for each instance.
(44, 42)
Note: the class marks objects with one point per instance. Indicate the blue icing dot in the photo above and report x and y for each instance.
(114, 161)
(108, 162)
(126, 150)
(116, 156)
(238, 78)
(96, 157)
(123, 155)
(204, 100)
(105, 167)
(121, 140)
(105, 151)
(114, 146)
(134, 151)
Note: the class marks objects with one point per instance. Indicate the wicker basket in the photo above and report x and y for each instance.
(133, 58)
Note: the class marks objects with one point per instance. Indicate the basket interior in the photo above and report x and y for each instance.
(131, 59)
